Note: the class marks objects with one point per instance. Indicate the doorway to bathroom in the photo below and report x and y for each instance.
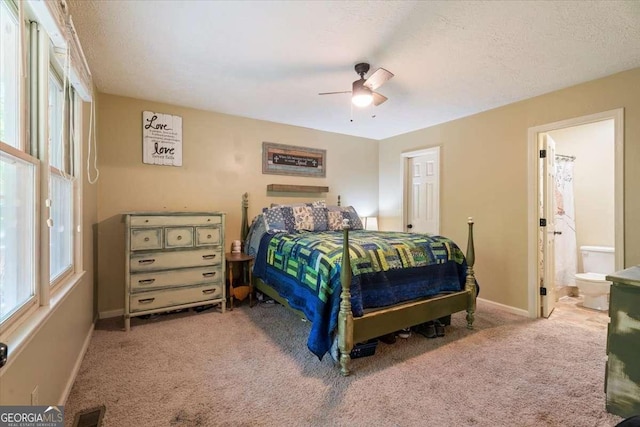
(575, 200)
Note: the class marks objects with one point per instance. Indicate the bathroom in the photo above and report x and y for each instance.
(585, 213)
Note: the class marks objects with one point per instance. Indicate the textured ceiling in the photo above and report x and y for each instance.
(268, 60)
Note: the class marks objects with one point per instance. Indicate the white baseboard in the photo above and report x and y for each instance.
(76, 367)
(510, 309)
(111, 313)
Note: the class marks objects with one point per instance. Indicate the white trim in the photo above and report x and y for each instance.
(111, 313)
(420, 152)
(76, 145)
(618, 123)
(508, 308)
(532, 161)
(23, 105)
(24, 332)
(12, 322)
(404, 161)
(76, 367)
(15, 152)
(42, 139)
(42, 14)
(57, 23)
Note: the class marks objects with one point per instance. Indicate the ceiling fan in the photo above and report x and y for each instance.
(362, 92)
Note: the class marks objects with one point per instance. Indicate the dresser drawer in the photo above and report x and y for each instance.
(178, 237)
(183, 277)
(146, 238)
(173, 260)
(157, 220)
(208, 236)
(168, 298)
(176, 259)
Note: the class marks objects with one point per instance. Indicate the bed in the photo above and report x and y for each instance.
(354, 285)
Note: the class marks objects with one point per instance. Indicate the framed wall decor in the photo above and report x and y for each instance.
(161, 139)
(280, 159)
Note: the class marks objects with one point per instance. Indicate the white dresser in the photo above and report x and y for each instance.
(173, 260)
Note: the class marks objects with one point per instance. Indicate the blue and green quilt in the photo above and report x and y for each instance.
(388, 268)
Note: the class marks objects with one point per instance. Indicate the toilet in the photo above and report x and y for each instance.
(597, 262)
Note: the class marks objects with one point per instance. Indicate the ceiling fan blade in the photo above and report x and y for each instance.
(378, 78)
(378, 99)
(334, 93)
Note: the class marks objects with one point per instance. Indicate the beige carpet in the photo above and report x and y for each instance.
(251, 367)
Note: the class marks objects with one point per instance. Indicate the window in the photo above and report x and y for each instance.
(61, 231)
(18, 172)
(9, 75)
(17, 234)
(61, 184)
(39, 195)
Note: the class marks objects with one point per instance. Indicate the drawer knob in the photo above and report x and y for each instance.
(211, 274)
(146, 261)
(179, 237)
(146, 220)
(146, 281)
(146, 300)
(209, 256)
(208, 291)
(146, 239)
(208, 236)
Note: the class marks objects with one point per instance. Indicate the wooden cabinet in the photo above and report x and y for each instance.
(173, 260)
(622, 378)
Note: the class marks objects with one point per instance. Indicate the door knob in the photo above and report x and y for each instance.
(409, 226)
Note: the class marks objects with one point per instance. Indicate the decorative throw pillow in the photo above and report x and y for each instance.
(347, 212)
(334, 220)
(273, 220)
(303, 216)
(289, 220)
(314, 204)
(317, 216)
(319, 219)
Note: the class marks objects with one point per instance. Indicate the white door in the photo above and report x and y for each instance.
(423, 192)
(547, 212)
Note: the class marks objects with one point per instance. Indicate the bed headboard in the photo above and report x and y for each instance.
(244, 225)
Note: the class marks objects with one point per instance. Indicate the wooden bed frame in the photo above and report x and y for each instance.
(386, 320)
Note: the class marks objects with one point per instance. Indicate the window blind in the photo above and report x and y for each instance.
(55, 18)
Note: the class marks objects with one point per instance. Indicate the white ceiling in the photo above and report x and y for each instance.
(268, 60)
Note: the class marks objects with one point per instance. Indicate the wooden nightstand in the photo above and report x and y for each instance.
(244, 261)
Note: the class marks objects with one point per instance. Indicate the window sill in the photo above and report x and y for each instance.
(19, 336)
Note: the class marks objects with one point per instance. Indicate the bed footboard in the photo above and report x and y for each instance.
(345, 316)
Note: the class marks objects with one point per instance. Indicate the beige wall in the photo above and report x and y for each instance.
(484, 172)
(593, 184)
(222, 159)
(49, 358)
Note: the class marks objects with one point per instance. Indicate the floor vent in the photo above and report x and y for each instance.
(89, 417)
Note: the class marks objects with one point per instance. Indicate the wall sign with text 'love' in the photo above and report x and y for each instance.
(161, 139)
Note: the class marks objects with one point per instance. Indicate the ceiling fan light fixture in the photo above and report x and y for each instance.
(363, 90)
(361, 95)
(362, 100)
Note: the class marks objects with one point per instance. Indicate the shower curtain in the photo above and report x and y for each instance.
(565, 243)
